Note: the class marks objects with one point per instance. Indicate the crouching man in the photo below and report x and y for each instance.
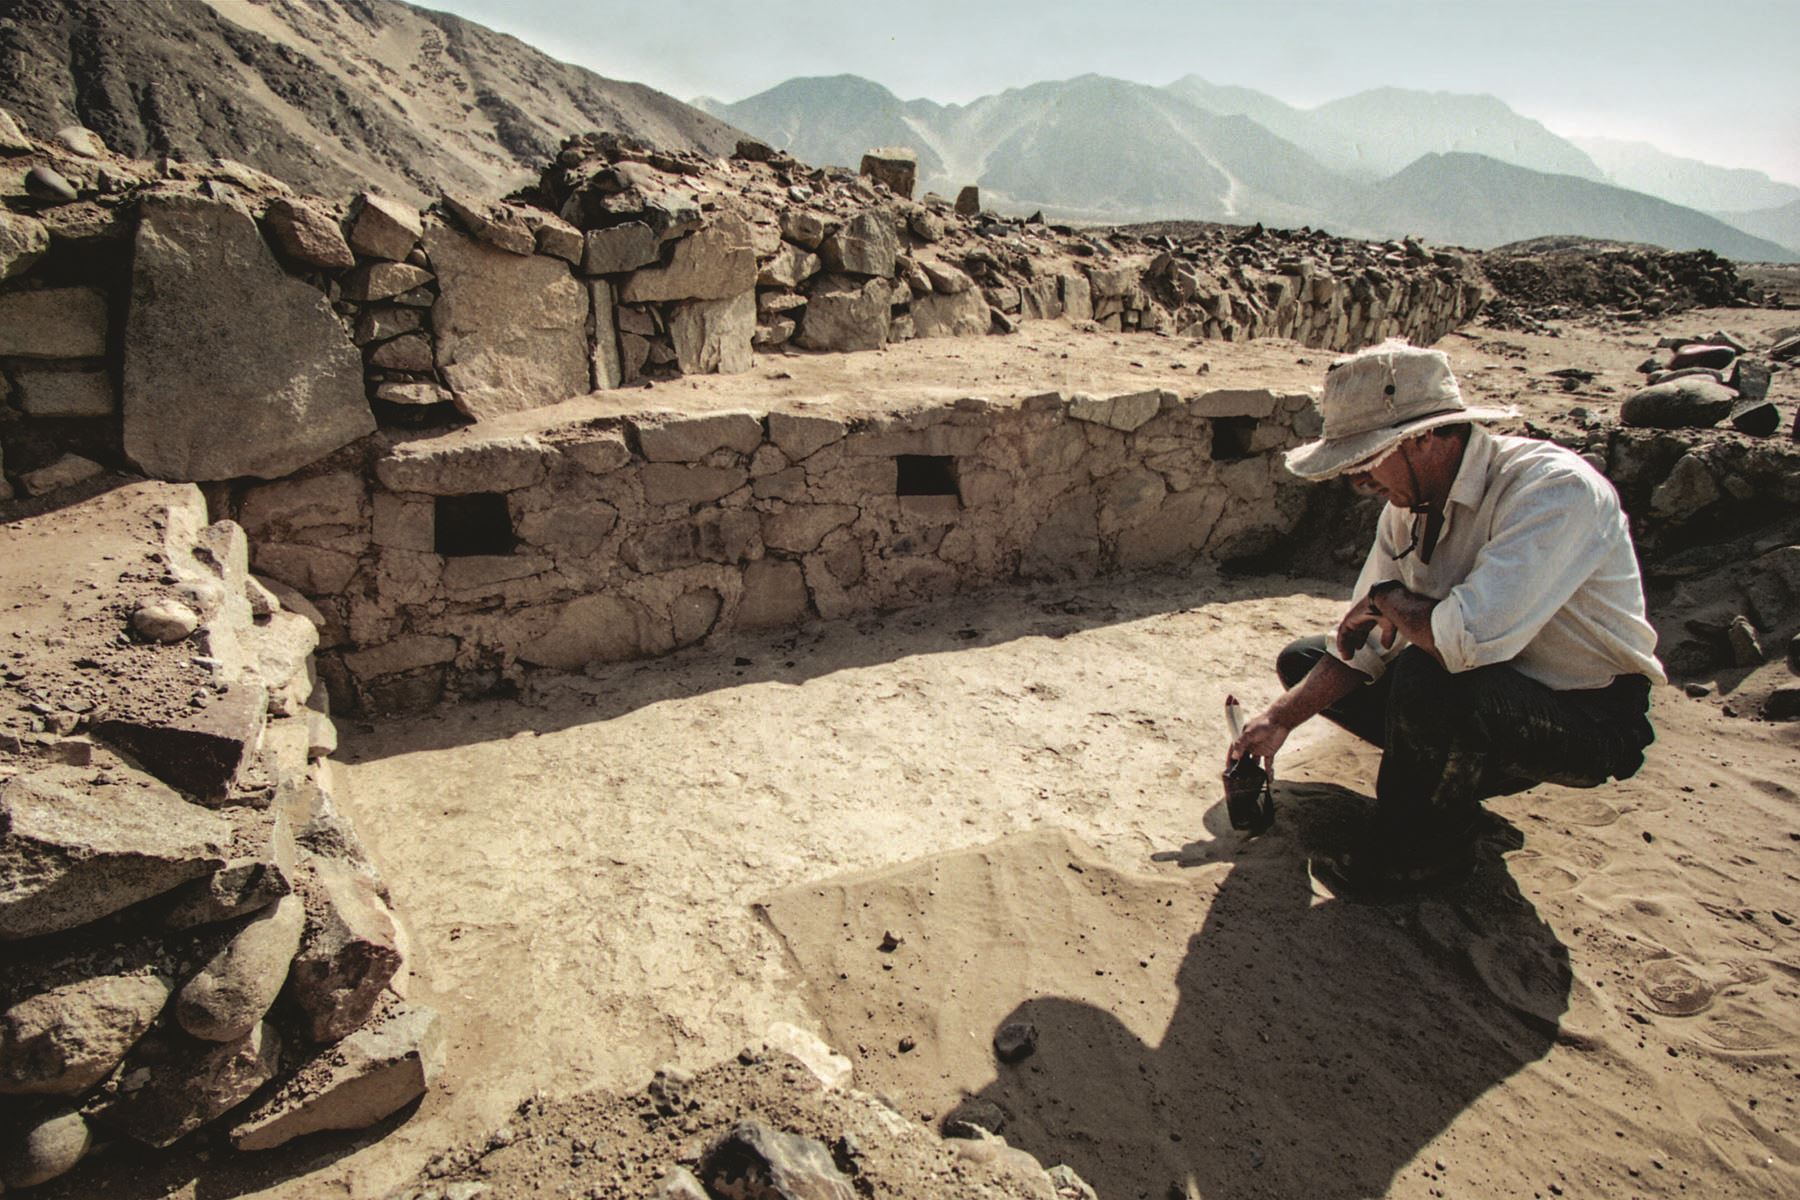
(1497, 639)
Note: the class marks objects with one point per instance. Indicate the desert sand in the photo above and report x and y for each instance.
(649, 865)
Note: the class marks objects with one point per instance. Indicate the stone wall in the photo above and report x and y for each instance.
(456, 562)
(193, 934)
(203, 323)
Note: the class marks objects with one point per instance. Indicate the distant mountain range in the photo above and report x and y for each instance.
(1463, 169)
(336, 95)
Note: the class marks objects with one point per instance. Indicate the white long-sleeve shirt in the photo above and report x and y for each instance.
(1534, 567)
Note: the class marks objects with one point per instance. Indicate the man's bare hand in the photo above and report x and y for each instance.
(1261, 738)
(1358, 623)
(1398, 610)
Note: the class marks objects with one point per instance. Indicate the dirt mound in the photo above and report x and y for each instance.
(1549, 279)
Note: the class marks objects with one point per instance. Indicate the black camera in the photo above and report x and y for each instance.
(1248, 798)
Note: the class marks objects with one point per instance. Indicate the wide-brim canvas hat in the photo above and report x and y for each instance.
(1376, 399)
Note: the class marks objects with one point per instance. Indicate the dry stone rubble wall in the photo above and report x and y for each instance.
(193, 934)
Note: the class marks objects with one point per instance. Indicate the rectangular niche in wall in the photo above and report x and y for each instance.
(478, 523)
(925, 475)
(1231, 438)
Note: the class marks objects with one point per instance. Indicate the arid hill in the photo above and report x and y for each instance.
(330, 97)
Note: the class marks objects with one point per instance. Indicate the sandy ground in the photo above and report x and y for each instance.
(652, 863)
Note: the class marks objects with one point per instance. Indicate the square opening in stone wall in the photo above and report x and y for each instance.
(478, 523)
(925, 475)
(1231, 438)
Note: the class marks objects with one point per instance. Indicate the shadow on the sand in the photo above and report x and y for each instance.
(1316, 1045)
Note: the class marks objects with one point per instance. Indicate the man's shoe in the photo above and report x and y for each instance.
(1370, 875)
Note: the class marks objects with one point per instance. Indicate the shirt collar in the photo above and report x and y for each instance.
(1472, 474)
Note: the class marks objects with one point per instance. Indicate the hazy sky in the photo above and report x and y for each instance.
(1715, 81)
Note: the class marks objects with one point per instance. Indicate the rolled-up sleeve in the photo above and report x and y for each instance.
(1545, 543)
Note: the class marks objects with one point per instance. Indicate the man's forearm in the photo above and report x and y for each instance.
(1408, 612)
(1330, 680)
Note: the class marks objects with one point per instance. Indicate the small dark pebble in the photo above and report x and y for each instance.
(1015, 1041)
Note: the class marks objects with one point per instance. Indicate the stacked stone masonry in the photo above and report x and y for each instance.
(459, 559)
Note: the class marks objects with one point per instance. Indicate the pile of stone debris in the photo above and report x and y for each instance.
(1545, 280)
(1699, 382)
(192, 934)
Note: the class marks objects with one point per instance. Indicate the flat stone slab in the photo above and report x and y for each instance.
(371, 1074)
(76, 850)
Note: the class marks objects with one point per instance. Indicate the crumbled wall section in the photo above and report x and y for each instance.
(638, 536)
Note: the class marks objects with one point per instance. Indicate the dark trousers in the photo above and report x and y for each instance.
(1451, 740)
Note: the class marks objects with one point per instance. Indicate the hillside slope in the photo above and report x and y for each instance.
(1482, 202)
(328, 95)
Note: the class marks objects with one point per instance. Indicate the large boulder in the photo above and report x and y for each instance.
(511, 329)
(172, 1085)
(1693, 402)
(955, 314)
(76, 850)
(23, 240)
(67, 322)
(232, 367)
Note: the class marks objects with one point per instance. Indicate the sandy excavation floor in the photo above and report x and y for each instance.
(653, 863)
(1020, 788)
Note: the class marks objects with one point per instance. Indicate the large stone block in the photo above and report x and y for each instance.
(383, 228)
(350, 951)
(44, 393)
(198, 751)
(290, 507)
(800, 528)
(464, 465)
(790, 267)
(76, 850)
(799, 435)
(54, 322)
(684, 439)
(843, 315)
(601, 628)
(716, 263)
(676, 483)
(951, 314)
(63, 1040)
(774, 595)
(307, 234)
(232, 367)
(866, 245)
(511, 330)
(1124, 413)
(606, 364)
(713, 336)
(23, 240)
(173, 1085)
(369, 1075)
(622, 248)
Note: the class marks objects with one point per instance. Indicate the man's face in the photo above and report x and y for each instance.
(1392, 478)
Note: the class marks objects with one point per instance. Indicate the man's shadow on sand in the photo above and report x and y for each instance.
(1315, 1047)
